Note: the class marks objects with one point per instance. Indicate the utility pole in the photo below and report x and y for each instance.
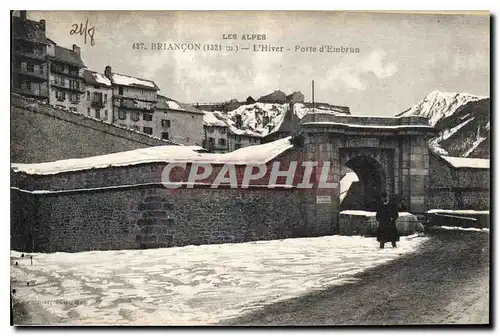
(314, 112)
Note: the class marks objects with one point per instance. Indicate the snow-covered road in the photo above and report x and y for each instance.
(193, 284)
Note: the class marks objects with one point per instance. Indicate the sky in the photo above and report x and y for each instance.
(402, 57)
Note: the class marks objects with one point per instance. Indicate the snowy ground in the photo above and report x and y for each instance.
(192, 284)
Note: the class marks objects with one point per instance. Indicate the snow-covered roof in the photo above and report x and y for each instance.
(165, 103)
(259, 154)
(213, 119)
(459, 162)
(94, 78)
(100, 78)
(125, 80)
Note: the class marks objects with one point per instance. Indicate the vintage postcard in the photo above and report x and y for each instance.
(250, 168)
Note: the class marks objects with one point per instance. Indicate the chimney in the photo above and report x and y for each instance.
(42, 24)
(22, 15)
(107, 71)
(76, 50)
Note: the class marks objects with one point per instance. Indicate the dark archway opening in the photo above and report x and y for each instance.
(364, 194)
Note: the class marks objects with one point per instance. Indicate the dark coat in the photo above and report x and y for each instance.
(386, 218)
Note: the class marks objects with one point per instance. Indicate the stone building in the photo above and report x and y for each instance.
(458, 183)
(286, 128)
(276, 97)
(134, 101)
(98, 102)
(179, 122)
(29, 66)
(296, 97)
(67, 87)
(238, 138)
(215, 133)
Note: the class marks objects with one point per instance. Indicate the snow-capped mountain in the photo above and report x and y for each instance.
(265, 118)
(438, 105)
(463, 122)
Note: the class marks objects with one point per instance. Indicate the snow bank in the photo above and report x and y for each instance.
(259, 154)
(193, 284)
(457, 228)
(370, 213)
(460, 162)
(346, 182)
(460, 212)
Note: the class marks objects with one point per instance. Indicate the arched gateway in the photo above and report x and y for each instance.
(387, 153)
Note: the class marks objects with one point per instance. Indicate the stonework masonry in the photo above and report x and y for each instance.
(152, 216)
(41, 133)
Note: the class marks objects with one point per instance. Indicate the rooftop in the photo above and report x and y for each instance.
(140, 83)
(94, 78)
(165, 103)
(259, 154)
(67, 56)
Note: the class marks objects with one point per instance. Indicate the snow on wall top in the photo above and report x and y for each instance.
(370, 213)
(439, 105)
(460, 162)
(259, 154)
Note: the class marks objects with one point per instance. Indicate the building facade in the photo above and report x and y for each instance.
(296, 97)
(242, 138)
(215, 133)
(98, 102)
(134, 101)
(67, 87)
(178, 122)
(29, 72)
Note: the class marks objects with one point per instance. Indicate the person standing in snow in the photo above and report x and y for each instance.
(402, 206)
(386, 216)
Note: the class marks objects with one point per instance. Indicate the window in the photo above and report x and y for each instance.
(30, 67)
(88, 95)
(147, 116)
(210, 130)
(105, 97)
(147, 130)
(165, 123)
(88, 110)
(237, 146)
(211, 141)
(222, 130)
(74, 85)
(135, 116)
(120, 90)
(164, 135)
(59, 80)
(98, 113)
(61, 95)
(222, 142)
(106, 114)
(122, 115)
(74, 98)
(26, 85)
